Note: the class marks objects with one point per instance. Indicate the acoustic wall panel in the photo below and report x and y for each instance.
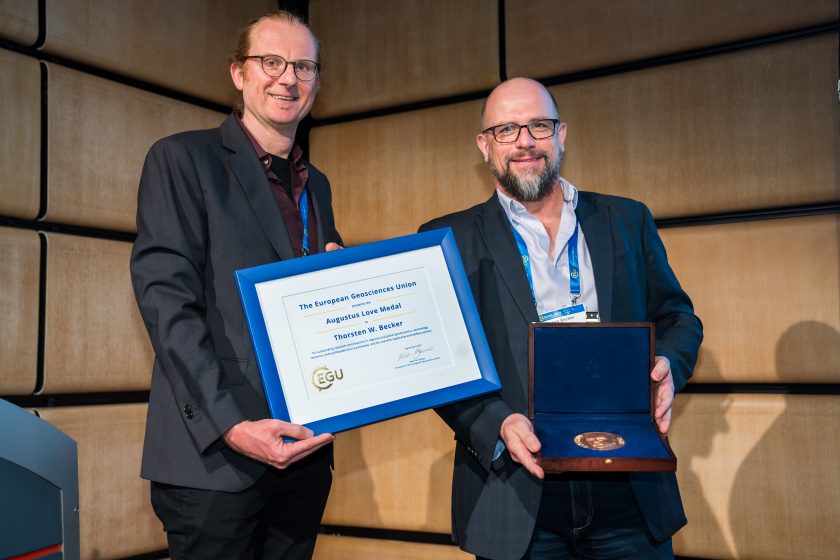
(394, 475)
(549, 37)
(99, 134)
(115, 515)
(20, 255)
(379, 53)
(768, 293)
(95, 339)
(20, 135)
(391, 174)
(757, 475)
(753, 129)
(19, 20)
(179, 45)
(333, 547)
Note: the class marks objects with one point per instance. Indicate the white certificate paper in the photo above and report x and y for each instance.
(363, 334)
(352, 337)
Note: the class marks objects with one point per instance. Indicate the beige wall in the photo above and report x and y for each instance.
(20, 87)
(734, 131)
(179, 45)
(752, 471)
(73, 147)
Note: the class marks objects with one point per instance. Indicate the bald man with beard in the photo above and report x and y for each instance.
(504, 507)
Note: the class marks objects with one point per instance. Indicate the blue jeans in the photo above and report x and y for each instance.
(592, 517)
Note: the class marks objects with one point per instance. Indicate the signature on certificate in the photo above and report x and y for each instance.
(418, 352)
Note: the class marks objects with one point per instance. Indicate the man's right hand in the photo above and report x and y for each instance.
(518, 434)
(263, 441)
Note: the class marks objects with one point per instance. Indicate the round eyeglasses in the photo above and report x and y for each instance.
(508, 133)
(274, 65)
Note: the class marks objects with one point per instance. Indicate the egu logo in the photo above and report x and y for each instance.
(323, 377)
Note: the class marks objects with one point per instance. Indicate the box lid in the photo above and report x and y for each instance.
(590, 368)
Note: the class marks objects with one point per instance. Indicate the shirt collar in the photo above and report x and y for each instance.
(295, 156)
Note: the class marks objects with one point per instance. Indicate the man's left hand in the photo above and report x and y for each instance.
(663, 391)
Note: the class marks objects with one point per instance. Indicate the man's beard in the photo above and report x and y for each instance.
(529, 187)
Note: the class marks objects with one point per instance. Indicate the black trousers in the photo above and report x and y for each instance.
(277, 517)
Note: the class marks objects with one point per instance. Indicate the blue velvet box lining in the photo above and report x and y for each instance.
(592, 369)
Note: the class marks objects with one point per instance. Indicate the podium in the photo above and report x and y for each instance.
(39, 485)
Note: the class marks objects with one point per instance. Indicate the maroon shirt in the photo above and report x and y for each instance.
(289, 206)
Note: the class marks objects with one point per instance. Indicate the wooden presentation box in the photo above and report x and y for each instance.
(591, 398)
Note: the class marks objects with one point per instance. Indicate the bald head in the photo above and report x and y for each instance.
(520, 96)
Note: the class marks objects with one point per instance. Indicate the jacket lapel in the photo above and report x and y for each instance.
(597, 231)
(495, 229)
(243, 162)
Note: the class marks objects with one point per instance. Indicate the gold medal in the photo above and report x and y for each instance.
(599, 441)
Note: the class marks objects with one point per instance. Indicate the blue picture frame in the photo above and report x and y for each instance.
(249, 279)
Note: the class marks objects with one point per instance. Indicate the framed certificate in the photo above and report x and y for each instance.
(363, 334)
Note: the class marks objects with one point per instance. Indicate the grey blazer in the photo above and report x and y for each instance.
(205, 209)
(494, 507)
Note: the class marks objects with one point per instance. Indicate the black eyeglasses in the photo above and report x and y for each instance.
(274, 65)
(508, 133)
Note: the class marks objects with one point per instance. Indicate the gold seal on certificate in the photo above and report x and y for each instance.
(599, 441)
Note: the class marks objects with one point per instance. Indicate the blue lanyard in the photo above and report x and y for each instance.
(574, 269)
(304, 217)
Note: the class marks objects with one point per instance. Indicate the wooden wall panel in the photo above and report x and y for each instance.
(391, 174)
(19, 20)
(386, 479)
(333, 547)
(379, 53)
(115, 513)
(768, 293)
(753, 129)
(20, 135)
(549, 37)
(99, 134)
(20, 255)
(180, 45)
(95, 339)
(757, 475)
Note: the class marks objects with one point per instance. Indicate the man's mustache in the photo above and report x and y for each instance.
(527, 154)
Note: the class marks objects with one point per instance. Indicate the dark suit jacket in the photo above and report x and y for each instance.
(205, 209)
(494, 507)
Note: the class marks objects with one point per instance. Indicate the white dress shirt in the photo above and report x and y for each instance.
(550, 273)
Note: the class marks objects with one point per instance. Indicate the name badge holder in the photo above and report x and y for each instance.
(574, 313)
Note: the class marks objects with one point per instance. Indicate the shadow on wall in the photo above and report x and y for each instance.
(356, 484)
(785, 500)
(708, 365)
(703, 524)
(806, 346)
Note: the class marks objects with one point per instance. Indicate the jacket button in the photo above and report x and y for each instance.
(188, 410)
